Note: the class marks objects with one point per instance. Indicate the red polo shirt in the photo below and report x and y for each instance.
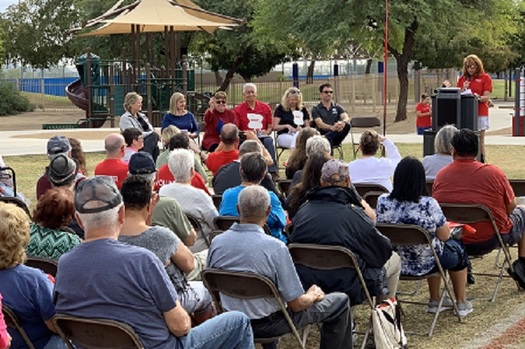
(114, 168)
(242, 110)
(479, 84)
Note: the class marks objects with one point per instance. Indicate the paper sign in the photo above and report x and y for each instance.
(255, 121)
(298, 117)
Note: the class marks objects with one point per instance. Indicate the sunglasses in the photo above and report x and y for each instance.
(294, 92)
(220, 102)
(328, 92)
(471, 66)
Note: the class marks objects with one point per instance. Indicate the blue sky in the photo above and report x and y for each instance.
(5, 3)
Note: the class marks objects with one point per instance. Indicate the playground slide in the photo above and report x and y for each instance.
(76, 93)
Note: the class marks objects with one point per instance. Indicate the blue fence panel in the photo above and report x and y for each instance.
(52, 86)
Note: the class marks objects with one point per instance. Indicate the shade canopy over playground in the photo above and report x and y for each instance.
(147, 16)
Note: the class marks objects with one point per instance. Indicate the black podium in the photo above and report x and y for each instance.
(450, 107)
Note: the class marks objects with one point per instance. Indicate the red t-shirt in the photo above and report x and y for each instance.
(471, 182)
(423, 121)
(114, 168)
(164, 177)
(479, 84)
(213, 122)
(243, 109)
(219, 158)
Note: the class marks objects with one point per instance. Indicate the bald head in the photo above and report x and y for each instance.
(114, 144)
(229, 134)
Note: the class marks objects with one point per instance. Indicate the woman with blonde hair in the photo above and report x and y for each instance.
(133, 118)
(371, 169)
(290, 117)
(479, 83)
(178, 116)
(27, 291)
(165, 137)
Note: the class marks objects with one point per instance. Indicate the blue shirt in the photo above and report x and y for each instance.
(245, 247)
(29, 293)
(111, 280)
(415, 260)
(183, 122)
(276, 220)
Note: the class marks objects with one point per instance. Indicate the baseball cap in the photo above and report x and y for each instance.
(58, 145)
(97, 194)
(141, 163)
(62, 170)
(335, 171)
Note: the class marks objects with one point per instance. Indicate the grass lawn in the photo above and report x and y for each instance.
(448, 333)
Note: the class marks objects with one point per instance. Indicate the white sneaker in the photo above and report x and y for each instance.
(464, 308)
(433, 305)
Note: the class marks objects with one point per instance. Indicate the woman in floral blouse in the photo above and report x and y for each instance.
(408, 203)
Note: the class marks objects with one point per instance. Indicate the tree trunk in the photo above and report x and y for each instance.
(402, 60)
(310, 73)
(368, 66)
(233, 69)
(218, 78)
(402, 75)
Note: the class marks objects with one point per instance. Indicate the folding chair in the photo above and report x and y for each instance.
(278, 149)
(409, 235)
(284, 186)
(371, 198)
(47, 265)
(245, 285)
(198, 228)
(16, 201)
(363, 188)
(12, 321)
(430, 184)
(224, 223)
(518, 186)
(474, 213)
(95, 333)
(364, 123)
(216, 201)
(325, 257)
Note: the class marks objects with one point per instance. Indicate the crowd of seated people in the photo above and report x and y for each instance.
(119, 219)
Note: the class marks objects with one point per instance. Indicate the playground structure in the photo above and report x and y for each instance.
(103, 84)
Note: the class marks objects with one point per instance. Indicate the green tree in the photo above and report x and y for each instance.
(409, 22)
(237, 50)
(39, 31)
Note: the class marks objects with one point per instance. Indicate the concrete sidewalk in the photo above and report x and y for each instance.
(500, 118)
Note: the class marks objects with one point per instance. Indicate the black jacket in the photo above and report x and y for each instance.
(334, 216)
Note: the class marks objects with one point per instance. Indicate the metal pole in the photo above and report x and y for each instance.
(385, 72)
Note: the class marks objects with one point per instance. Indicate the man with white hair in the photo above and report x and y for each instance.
(112, 165)
(245, 247)
(129, 284)
(193, 201)
(254, 115)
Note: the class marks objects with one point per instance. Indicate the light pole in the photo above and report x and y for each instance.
(385, 70)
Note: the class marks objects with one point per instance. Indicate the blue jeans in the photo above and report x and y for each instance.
(269, 145)
(230, 330)
(55, 342)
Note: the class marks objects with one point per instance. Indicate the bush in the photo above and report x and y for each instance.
(11, 101)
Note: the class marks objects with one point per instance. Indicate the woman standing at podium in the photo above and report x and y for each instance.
(476, 80)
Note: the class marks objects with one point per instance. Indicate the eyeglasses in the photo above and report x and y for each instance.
(328, 92)
(220, 102)
(472, 66)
